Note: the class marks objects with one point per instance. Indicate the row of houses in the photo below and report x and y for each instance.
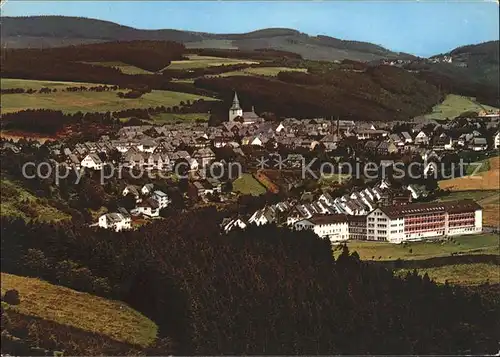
(158, 147)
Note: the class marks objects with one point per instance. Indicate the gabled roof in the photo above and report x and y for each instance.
(328, 219)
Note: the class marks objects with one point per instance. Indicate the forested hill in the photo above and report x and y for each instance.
(57, 31)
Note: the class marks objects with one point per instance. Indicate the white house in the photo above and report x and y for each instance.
(478, 144)
(147, 189)
(407, 137)
(496, 140)
(133, 190)
(422, 138)
(162, 198)
(115, 221)
(92, 161)
(235, 223)
(149, 208)
(263, 216)
(334, 227)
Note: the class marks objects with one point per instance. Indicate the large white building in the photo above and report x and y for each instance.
(333, 227)
(397, 224)
(115, 221)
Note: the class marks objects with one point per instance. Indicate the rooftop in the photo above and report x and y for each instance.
(419, 208)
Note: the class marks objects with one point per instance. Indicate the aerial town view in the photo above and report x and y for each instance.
(249, 178)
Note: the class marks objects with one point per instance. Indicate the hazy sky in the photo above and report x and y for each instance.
(420, 27)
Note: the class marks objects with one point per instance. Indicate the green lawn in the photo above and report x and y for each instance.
(330, 179)
(480, 166)
(71, 102)
(87, 312)
(17, 202)
(7, 83)
(461, 274)
(454, 105)
(196, 61)
(123, 67)
(473, 195)
(246, 184)
(261, 71)
(173, 117)
(222, 44)
(473, 244)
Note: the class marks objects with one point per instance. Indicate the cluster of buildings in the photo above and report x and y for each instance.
(148, 203)
(363, 216)
(379, 214)
(152, 147)
(155, 147)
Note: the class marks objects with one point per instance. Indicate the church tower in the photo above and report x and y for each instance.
(235, 110)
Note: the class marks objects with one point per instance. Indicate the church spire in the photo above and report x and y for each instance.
(236, 102)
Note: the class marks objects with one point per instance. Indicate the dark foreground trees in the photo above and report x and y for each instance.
(262, 291)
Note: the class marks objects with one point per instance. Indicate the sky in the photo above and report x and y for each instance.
(422, 28)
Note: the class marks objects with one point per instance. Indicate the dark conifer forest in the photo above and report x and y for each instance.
(261, 291)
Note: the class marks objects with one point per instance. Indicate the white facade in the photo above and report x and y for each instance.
(92, 161)
(235, 223)
(147, 211)
(162, 198)
(235, 110)
(417, 224)
(496, 141)
(334, 230)
(422, 138)
(115, 221)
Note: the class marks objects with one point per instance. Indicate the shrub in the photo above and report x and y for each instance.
(11, 297)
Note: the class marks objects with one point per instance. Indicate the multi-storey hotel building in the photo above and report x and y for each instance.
(397, 224)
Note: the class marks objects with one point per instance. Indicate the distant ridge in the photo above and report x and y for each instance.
(57, 31)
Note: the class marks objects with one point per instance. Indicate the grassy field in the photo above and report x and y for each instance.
(246, 184)
(196, 61)
(327, 180)
(173, 117)
(223, 44)
(480, 166)
(262, 71)
(461, 274)
(71, 102)
(17, 202)
(473, 244)
(453, 106)
(88, 312)
(7, 83)
(123, 67)
(463, 195)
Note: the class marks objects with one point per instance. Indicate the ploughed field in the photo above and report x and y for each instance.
(483, 187)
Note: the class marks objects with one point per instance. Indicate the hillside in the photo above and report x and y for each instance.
(471, 70)
(72, 309)
(57, 31)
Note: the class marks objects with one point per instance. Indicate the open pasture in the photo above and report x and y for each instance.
(196, 61)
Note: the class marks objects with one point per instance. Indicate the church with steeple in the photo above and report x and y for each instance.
(236, 113)
(235, 110)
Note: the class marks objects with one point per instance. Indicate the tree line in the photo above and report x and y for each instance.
(381, 93)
